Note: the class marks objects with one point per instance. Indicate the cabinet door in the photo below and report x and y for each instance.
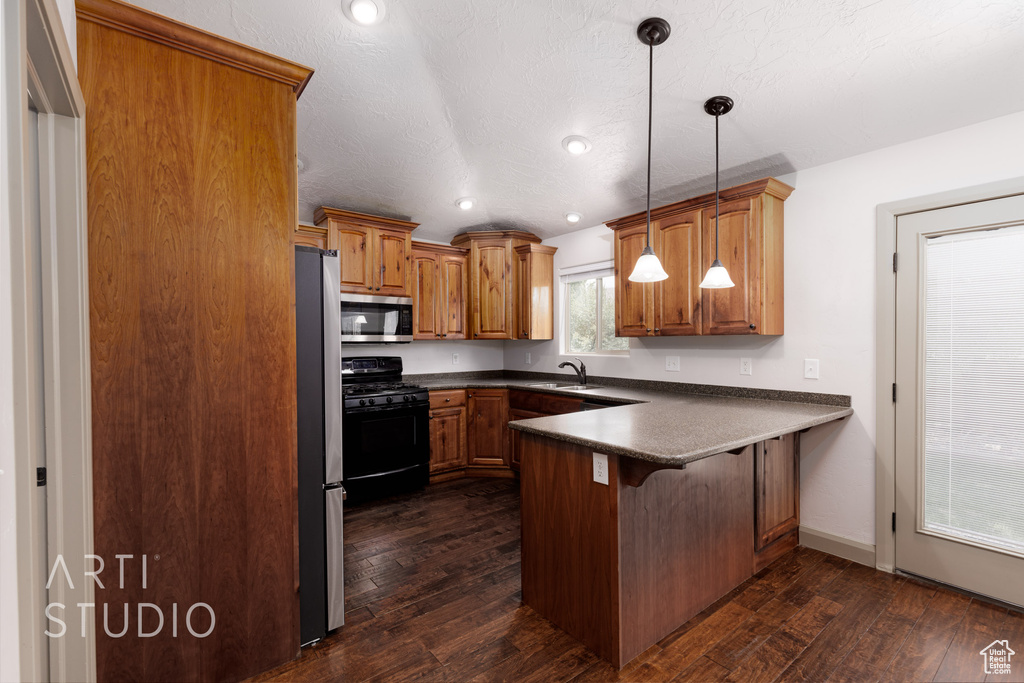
(392, 253)
(736, 310)
(355, 252)
(634, 301)
(447, 439)
(515, 414)
(453, 288)
(490, 278)
(426, 297)
(488, 426)
(776, 488)
(677, 243)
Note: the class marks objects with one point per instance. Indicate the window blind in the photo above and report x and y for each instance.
(974, 387)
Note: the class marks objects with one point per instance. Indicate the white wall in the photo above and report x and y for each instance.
(421, 357)
(830, 311)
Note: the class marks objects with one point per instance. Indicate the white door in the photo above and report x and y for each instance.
(960, 396)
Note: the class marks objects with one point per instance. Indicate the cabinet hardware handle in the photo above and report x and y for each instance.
(753, 326)
(370, 288)
(648, 329)
(378, 289)
(447, 400)
(657, 329)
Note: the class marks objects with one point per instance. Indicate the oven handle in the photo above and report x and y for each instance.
(386, 408)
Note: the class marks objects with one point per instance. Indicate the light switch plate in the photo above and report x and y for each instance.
(810, 368)
(601, 468)
(455, 359)
(672, 363)
(746, 366)
(529, 358)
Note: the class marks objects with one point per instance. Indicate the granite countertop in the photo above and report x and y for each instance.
(664, 422)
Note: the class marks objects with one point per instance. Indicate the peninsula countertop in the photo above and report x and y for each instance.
(670, 427)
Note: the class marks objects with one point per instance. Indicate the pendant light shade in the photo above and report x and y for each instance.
(648, 268)
(717, 276)
(651, 32)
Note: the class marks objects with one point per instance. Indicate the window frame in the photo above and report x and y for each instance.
(567, 276)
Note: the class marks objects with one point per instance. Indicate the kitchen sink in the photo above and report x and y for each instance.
(573, 386)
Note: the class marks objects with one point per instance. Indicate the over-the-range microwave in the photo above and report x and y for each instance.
(375, 319)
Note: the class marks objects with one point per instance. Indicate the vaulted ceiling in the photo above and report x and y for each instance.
(451, 98)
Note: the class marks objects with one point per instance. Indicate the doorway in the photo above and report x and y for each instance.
(959, 396)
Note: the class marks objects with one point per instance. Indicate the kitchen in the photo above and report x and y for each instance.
(846, 192)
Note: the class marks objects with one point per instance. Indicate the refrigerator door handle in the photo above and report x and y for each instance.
(332, 368)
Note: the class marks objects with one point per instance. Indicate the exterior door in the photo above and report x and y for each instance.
(960, 396)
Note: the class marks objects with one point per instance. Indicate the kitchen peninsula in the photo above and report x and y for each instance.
(697, 492)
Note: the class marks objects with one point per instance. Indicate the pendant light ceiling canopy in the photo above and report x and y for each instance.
(651, 32)
(717, 276)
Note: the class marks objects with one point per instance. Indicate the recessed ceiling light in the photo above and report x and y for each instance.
(576, 145)
(466, 203)
(573, 217)
(364, 12)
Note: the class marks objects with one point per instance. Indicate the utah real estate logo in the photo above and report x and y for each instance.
(997, 657)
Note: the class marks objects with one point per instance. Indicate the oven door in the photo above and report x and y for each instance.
(381, 441)
(375, 319)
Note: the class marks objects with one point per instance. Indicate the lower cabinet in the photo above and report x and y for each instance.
(488, 427)
(447, 430)
(776, 497)
(518, 414)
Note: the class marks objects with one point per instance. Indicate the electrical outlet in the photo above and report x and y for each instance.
(672, 363)
(529, 358)
(810, 368)
(455, 359)
(746, 366)
(601, 468)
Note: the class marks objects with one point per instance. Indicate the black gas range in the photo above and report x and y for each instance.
(385, 429)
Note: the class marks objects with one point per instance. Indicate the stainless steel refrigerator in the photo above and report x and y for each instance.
(318, 383)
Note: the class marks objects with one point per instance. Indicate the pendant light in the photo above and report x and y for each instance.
(717, 276)
(653, 31)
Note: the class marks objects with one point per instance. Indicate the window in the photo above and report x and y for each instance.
(589, 309)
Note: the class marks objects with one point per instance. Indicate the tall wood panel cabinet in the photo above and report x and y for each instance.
(440, 288)
(375, 252)
(534, 283)
(683, 237)
(191, 171)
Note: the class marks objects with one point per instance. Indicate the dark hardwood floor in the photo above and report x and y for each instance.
(433, 594)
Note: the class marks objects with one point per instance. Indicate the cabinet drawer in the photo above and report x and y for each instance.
(539, 402)
(449, 398)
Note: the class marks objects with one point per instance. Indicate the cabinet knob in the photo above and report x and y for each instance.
(378, 289)
(648, 329)
(753, 326)
(447, 400)
(657, 329)
(370, 288)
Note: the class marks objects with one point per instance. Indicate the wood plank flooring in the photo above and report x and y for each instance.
(433, 594)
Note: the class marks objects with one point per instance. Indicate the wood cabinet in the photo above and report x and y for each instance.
(534, 280)
(190, 154)
(440, 284)
(488, 427)
(375, 252)
(492, 276)
(776, 489)
(514, 435)
(526, 404)
(683, 237)
(310, 236)
(448, 430)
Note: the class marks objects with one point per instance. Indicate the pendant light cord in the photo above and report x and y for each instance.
(650, 106)
(716, 187)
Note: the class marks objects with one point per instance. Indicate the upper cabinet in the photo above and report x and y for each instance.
(375, 252)
(439, 291)
(310, 236)
(492, 266)
(534, 282)
(683, 237)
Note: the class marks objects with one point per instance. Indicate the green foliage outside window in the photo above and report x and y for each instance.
(591, 310)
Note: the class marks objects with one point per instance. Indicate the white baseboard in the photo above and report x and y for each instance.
(861, 553)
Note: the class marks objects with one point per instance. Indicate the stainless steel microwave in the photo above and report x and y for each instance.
(375, 319)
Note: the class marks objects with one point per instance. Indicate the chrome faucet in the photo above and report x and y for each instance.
(581, 371)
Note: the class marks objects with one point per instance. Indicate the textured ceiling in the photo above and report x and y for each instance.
(449, 98)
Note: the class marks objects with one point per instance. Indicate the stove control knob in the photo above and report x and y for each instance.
(407, 398)
(390, 399)
(372, 401)
(362, 401)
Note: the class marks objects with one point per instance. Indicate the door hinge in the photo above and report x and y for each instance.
(895, 261)
(894, 522)
(894, 392)
(40, 476)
